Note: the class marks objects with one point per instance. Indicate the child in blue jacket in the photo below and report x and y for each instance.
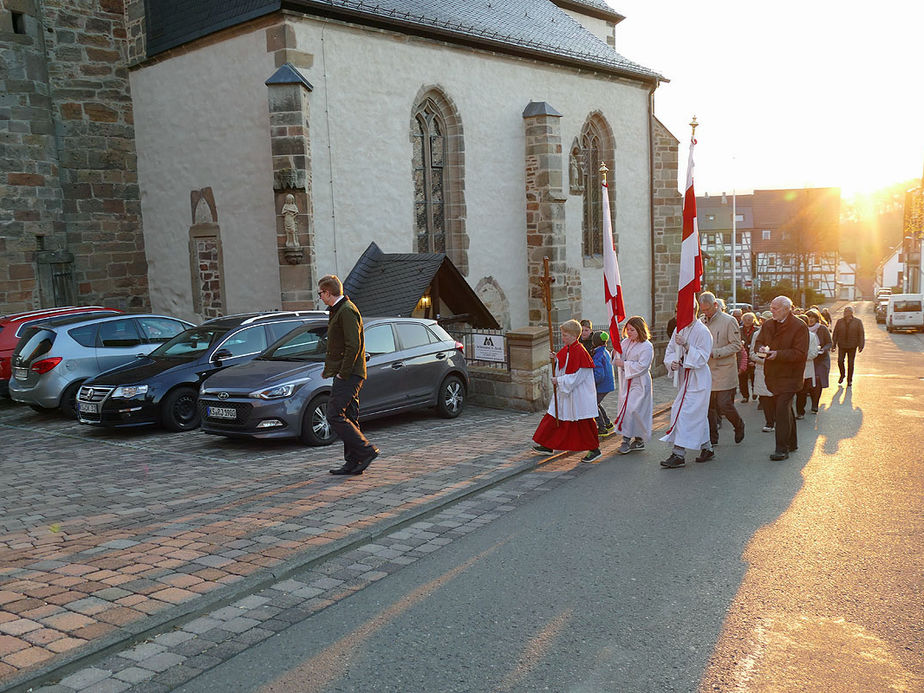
(603, 379)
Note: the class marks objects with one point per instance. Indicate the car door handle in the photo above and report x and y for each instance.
(396, 366)
(441, 355)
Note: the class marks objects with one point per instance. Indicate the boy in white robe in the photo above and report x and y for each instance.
(688, 355)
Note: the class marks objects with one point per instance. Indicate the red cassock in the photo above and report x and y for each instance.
(576, 427)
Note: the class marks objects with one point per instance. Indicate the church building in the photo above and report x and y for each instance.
(274, 141)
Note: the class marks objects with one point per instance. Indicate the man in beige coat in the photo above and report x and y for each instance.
(723, 364)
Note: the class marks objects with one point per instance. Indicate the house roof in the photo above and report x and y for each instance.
(391, 284)
(533, 28)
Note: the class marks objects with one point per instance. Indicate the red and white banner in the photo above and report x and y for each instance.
(691, 258)
(612, 285)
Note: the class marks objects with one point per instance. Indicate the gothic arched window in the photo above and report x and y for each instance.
(596, 145)
(439, 178)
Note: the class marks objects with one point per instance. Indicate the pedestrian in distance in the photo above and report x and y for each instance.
(604, 382)
(765, 397)
(571, 420)
(808, 374)
(723, 363)
(687, 355)
(783, 345)
(746, 378)
(636, 405)
(848, 338)
(737, 314)
(345, 362)
(822, 362)
(587, 335)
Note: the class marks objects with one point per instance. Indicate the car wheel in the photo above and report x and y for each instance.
(68, 404)
(451, 398)
(316, 429)
(180, 410)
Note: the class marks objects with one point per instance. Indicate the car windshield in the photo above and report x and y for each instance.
(190, 343)
(305, 344)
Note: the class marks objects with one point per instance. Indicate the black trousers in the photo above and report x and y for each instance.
(808, 391)
(722, 403)
(785, 422)
(850, 355)
(767, 407)
(746, 382)
(343, 417)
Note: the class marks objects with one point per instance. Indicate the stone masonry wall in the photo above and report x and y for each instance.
(69, 174)
(667, 209)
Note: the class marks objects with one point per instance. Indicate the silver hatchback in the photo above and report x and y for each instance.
(53, 358)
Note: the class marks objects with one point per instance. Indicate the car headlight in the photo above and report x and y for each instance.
(128, 391)
(277, 392)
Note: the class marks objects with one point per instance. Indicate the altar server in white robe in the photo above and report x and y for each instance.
(636, 405)
(687, 356)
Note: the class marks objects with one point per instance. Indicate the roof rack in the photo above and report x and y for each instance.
(283, 314)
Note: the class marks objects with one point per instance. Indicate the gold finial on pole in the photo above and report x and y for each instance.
(693, 124)
(603, 170)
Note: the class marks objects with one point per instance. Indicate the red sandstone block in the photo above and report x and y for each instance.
(174, 595)
(8, 596)
(119, 616)
(43, 636)
(68, 622)
(25, 179)
(95, 630)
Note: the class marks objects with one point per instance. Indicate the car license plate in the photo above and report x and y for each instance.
(88, 407)
(20, 373)
(221, 412)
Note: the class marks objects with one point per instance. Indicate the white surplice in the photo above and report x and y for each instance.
(690, 411)
(577, 395)
(636, 404)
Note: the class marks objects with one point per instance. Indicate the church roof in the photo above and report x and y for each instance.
(532, 28)
(391, 284)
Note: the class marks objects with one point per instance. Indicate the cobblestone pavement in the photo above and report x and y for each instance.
(211, 544)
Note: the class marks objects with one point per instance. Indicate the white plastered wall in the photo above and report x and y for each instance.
(202, 120)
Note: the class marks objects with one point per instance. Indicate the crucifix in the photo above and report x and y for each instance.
(546, 281)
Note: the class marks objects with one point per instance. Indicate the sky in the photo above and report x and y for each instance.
(787, 94)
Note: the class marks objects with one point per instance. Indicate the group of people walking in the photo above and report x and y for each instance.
(780, 358)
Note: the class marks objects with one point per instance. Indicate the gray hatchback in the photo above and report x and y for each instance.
(411, 363)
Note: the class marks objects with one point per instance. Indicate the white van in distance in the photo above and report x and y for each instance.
(905, 312)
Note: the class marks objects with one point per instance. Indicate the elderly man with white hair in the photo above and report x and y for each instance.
(783, 345)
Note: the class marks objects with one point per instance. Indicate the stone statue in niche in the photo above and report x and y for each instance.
(290, 221)
(575, 174)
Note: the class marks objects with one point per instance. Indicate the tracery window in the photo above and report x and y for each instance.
(429, 178)
(596, 146)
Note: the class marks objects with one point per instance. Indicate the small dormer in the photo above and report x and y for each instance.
(594, 15)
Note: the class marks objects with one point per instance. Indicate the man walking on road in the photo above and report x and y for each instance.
(783, 344)
(346, 364)
(848, 339)
(723, 364)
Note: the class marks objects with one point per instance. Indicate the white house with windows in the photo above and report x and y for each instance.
(891, 270)
(274, 145)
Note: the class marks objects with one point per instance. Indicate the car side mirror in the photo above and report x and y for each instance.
(140, 355)
(222, 355)
(368, 356)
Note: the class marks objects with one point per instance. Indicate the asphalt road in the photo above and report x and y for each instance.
(739, 574)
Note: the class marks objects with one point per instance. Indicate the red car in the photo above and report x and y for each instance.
(11, 326)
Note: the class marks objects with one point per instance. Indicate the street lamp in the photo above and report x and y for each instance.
(734, 242)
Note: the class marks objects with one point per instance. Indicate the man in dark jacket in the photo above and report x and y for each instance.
(848, 338)
(345, 362)
(783, 344)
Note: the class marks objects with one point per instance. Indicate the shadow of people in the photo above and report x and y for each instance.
(845, 420)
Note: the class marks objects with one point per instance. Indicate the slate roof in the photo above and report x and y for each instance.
(391, 284)
(534, 28)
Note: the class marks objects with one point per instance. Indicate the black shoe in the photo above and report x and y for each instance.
(347, 468)
(776, 456)
(361, 467)
(849, 383)
(592, 455)
(739, 433)
(673, 462)
(705, 455)
(814, 411)
(800, 416)
(840, 380)
(543, 449)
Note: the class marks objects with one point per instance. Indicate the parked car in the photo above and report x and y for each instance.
(883, 293)
(163, 387)
(905, 312)
(411, 363)
(54, 357)
(743, 307)
(12, 327)
(882, 307)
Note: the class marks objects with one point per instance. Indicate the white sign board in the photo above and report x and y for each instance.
(489, 347)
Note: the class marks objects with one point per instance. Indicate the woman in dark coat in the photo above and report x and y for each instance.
(819, 326)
